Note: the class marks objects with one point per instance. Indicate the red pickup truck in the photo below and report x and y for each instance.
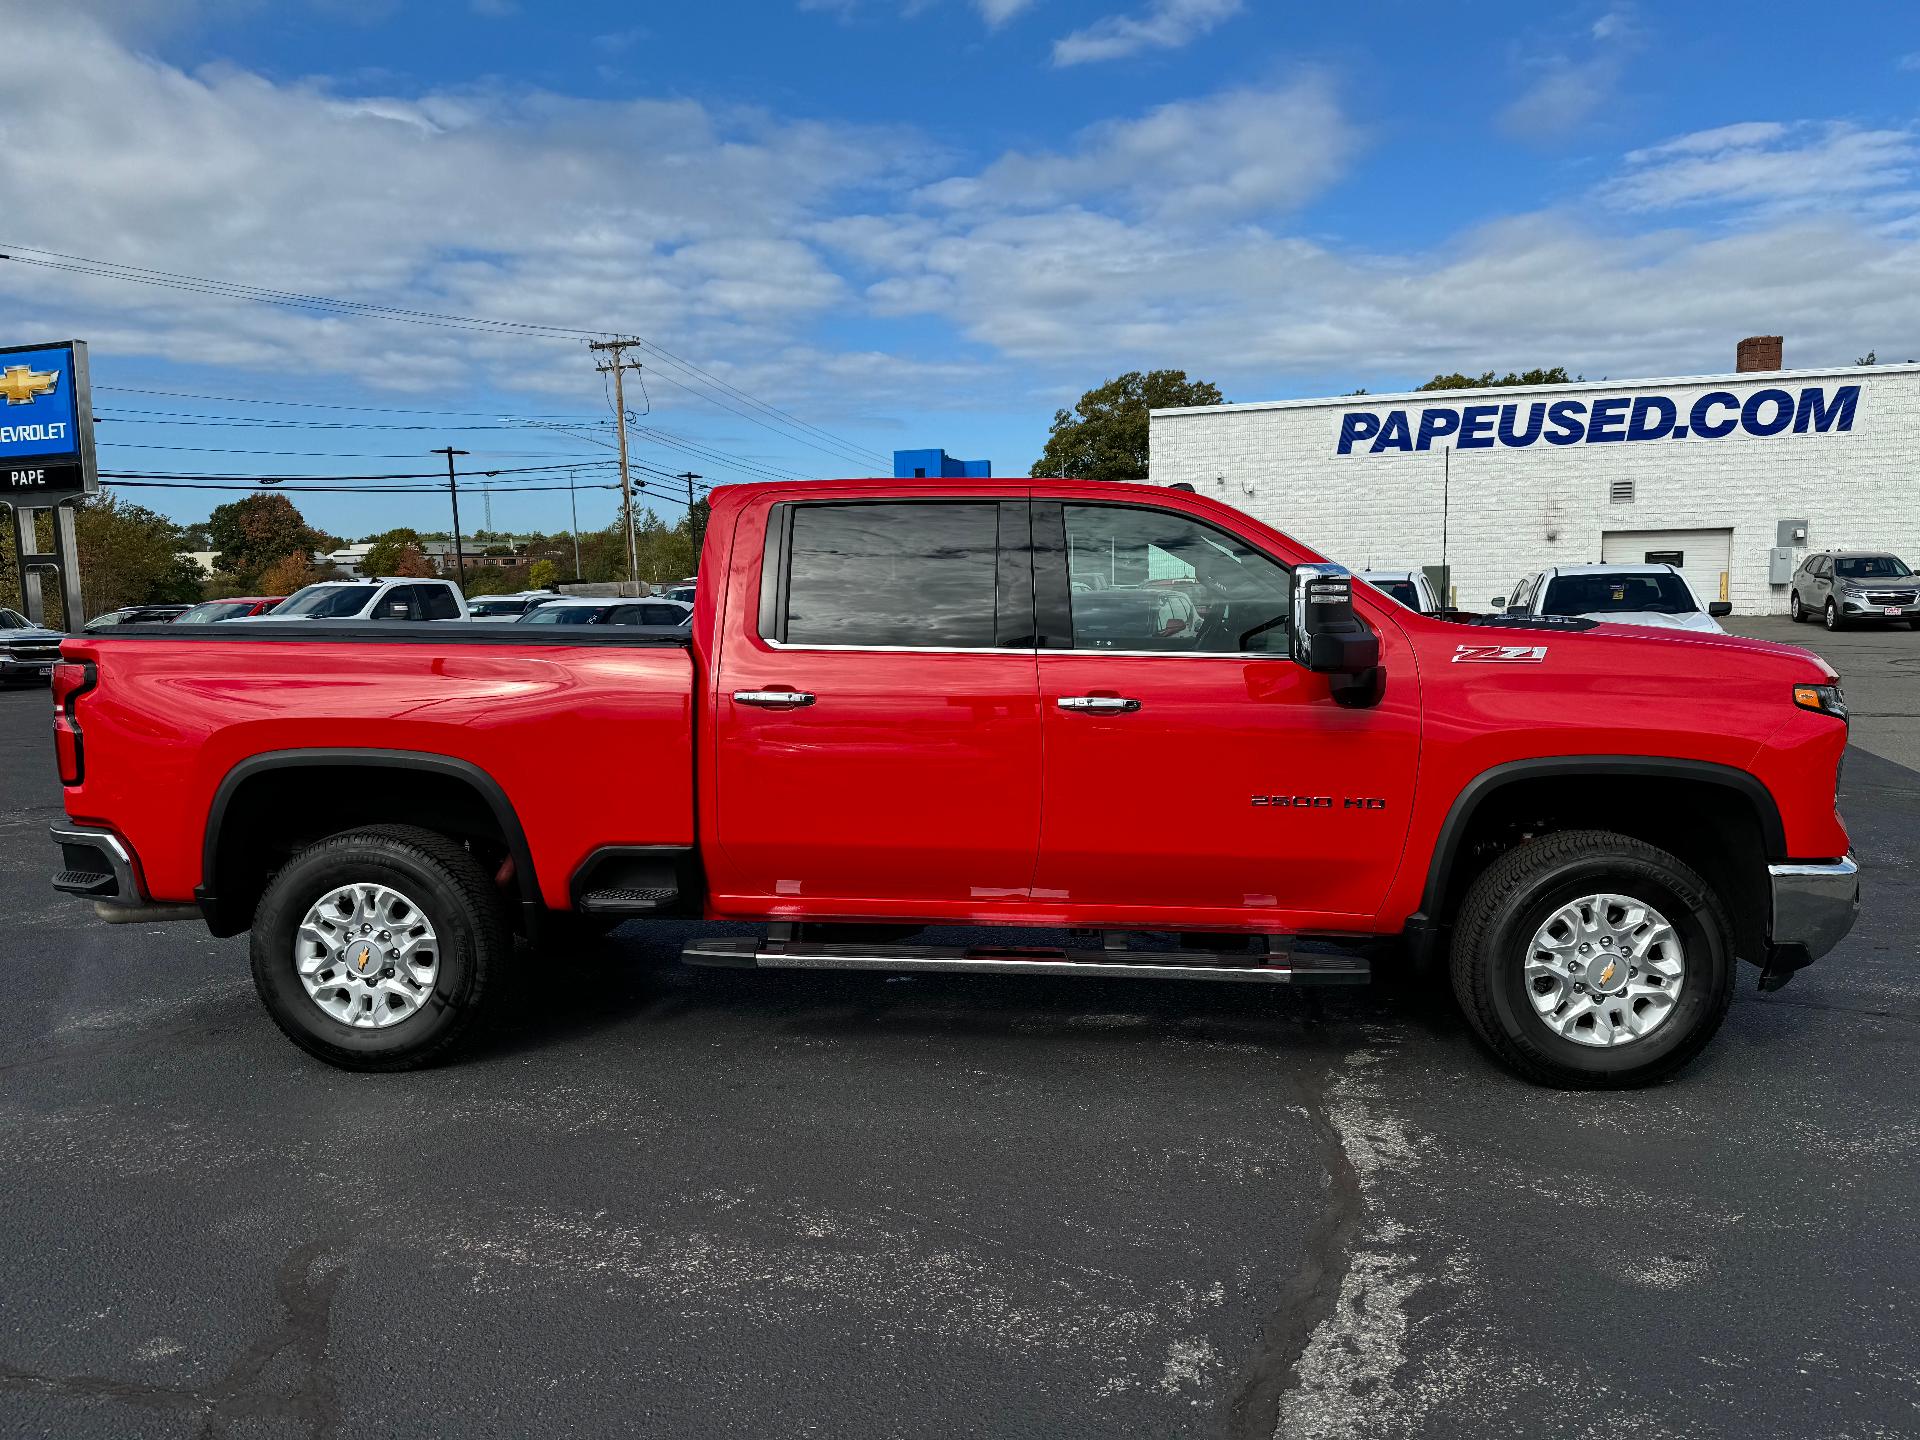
(1118, 710)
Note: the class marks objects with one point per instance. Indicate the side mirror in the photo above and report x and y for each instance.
(1717, 608)
(1499, 602)
(1329, 637)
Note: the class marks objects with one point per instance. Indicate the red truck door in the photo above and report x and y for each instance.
(877, 735)
(1194, 770)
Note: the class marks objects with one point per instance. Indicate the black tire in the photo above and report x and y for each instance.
(1517, 895)
(1831, 616)
(460, 902)
(1795, 611)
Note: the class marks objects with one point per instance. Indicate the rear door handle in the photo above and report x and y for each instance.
(773, 699)
(1098, 704)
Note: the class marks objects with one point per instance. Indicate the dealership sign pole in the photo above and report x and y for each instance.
(46, 462)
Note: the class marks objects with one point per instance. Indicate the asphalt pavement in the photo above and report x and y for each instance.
(677, 1202)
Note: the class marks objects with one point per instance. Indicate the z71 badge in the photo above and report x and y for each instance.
(1514, 654)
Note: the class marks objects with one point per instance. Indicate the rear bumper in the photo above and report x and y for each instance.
(1814, 906)
(97, 865)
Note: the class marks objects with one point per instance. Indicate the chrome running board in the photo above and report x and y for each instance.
(1272, 969)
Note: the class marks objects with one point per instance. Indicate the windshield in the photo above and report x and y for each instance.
(486, 609)
(1871, 567)
(1623, 594)
(210, 610)
(326, 602)
(564, 615)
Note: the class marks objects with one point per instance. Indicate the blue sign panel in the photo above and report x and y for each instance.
(46, 422)
(1817, 409)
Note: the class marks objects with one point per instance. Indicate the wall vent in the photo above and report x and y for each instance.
(1621, 492)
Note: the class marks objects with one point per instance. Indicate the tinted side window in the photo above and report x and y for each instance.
(400, 596)
(918, 573)
(1144, 579)
(438, 602)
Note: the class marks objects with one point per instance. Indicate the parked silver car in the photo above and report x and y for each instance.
(1849, 587)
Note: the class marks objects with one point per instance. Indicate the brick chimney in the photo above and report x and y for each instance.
(1759, 352)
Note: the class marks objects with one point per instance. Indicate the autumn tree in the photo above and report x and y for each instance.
(254, 533)
(285, 575)
(1104, 436)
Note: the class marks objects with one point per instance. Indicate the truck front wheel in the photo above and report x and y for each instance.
(377, 949)
(1591, 960)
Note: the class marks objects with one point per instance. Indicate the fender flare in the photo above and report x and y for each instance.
(1489, 782)
(465, 771)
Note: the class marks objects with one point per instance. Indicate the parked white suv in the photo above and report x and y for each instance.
(390, 597)
(1656, 595)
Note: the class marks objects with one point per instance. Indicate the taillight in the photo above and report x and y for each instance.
(71, 680)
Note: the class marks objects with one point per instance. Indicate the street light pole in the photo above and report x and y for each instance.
(453, 489)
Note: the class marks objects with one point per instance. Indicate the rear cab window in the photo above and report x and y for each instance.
(897, 575)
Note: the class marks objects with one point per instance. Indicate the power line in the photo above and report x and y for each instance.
(269, 479)
(798, 430)
(332, 405)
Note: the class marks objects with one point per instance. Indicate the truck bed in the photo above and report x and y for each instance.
(586, 730)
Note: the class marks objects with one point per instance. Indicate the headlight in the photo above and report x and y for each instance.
(1827, 699)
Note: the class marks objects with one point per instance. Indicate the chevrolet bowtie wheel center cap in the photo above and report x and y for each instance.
(367, 955)
(1605, 970)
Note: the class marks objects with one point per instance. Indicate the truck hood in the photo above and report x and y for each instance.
(1697, 621)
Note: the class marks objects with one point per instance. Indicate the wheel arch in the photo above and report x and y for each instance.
(1720, 819)
(245, 829)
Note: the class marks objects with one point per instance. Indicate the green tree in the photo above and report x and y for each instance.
(129, 555)
(253, 533)
(1104, 437)
(1456, 381)
(489, 580)
(396, 552)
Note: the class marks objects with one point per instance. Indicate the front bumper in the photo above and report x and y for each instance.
(28, 667)
(1814, 906)
(1860, 607)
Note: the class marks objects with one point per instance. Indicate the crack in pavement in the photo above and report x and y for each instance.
(1309, 1297)
(305, 1287)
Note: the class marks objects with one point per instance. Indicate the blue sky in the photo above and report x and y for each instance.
(916, 222)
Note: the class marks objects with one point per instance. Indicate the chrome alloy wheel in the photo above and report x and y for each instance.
(1605, 970)
(367, 955)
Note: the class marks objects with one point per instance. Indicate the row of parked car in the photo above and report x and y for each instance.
(28, 651)
(405, 598)
(1839, 587)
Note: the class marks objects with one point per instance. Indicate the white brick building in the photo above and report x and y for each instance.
(1704, 468)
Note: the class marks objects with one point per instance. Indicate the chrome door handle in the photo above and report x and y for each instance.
(773, 699)
(1098, 704)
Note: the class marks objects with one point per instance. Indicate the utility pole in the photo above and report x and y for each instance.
(573, 513)
(692, 521)
(618, 366)
(453, 489)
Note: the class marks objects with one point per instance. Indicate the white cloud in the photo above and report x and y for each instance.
(660, 214)
(1573, 85)
(1163, 25)
(1241, 153)
(998, 12)
(1764, 163)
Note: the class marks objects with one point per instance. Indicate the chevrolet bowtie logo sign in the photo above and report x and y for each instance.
(22, 384)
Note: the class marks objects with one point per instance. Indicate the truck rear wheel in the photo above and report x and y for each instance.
(379, 948)
(1591, 960)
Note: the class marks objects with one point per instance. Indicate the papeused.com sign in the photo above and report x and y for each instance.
(1616, 419)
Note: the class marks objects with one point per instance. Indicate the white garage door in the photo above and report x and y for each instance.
(1703, 556)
